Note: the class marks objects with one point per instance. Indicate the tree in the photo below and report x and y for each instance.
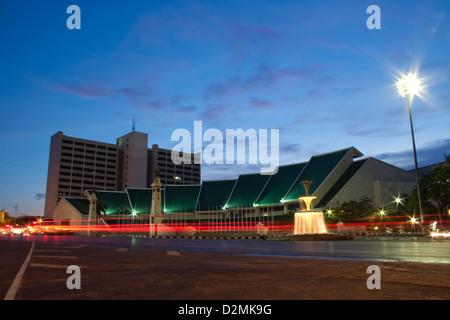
(5, 218)
(353, 209)
(435, 192)
(436, 187)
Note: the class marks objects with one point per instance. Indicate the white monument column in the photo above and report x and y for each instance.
(155, 212)
(92, 212)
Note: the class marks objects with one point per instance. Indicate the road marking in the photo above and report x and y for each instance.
(122, 249)
(49, 246)
(74, 247)
(48, 265)
(58, 257)
(60, 246)
(44, 250)
(11, 294)
(173, 253)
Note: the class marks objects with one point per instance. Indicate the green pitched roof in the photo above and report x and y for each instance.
(280, 183)
(117, 201)
(342, 181)
(180, 198)
(214, 194)
(317, 170)
(246, 190)
(140, 199)
(81, 205)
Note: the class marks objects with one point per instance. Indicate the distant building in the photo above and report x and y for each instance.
(76, 165)
(427, 170)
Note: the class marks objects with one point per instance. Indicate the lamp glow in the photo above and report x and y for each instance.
(409, 85)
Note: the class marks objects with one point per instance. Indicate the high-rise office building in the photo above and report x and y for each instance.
(133, 160)
(77, 164)
(170, 173)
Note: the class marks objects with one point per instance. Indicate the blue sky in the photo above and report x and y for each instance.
(311, 69)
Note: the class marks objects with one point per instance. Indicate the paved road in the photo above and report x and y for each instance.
(394, 251)
(168, 269)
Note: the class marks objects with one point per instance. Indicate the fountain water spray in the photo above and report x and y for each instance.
(308, 221)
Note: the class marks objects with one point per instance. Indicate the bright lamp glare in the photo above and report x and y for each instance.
(408, 85)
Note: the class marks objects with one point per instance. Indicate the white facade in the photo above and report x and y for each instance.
(134, 161)
(379, 181)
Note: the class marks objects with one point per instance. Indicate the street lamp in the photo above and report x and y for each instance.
(408, 86)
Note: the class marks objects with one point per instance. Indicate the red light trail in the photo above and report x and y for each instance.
(220, 225)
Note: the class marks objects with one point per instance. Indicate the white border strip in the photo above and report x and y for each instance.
(11, 294)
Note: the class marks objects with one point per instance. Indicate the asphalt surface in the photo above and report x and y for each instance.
(115, 270)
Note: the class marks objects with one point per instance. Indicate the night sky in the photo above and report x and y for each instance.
(311, 69)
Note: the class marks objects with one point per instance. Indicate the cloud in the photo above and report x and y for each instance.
(222, 89)
(263, 77)
(262, 104)
(98, 90)
(82, 90)
(214, 112)
(40, 196)
(184, 110)
(257, 31)
(432, 153)
(247, 40)
(315, 93)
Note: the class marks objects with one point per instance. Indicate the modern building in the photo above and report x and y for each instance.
(337, 177)
(171, 173)
(76, 165)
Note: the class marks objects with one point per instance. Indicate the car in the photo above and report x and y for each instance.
(6, 229)
(18, 230)
(57, 230)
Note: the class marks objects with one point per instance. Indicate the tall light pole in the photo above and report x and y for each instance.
(407, 87)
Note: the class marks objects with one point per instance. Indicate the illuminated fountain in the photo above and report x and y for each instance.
(308, 221)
